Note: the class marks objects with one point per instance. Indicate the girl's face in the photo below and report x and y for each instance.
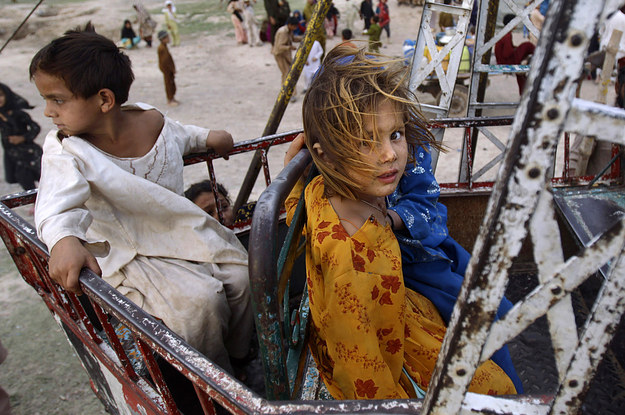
(71, 115)
(206, 201)
(3, 99)
(387, 157)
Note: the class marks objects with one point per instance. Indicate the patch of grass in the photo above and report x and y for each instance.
(206, 17)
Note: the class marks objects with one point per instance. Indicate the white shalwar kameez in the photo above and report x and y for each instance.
(155, 246)
(312, 63)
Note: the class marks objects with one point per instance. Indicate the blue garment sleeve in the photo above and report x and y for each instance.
(416, 201)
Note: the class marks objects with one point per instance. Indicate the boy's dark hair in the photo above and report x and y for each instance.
(292, 21)
(87, 62)
(347, 34)
(205, 186)
(375, 18)
(508, 18)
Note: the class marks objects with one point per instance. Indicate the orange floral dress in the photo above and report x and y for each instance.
(367, 327)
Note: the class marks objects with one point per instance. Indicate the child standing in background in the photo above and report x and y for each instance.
(374, 33)
(167, 66)
(171, 21)
(251, 25)
(112, 188)
(371, 336)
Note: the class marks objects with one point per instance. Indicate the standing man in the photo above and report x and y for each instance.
(366, 12)
(283, 46)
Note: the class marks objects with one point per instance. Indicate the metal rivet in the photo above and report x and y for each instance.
(576, 39)
(553, 113)
(534, 172)
(461, 372)
(556, 290)
(20, 250)
(573, 383)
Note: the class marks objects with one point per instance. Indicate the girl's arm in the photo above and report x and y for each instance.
(415, 201)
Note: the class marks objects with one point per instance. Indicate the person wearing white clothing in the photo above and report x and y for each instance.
(312, 63)
(111, 199)
(251, 24)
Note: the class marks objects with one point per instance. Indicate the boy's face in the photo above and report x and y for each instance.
(70, 114)
(206, 201)
(387, 157)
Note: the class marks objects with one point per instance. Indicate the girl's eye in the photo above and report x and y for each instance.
(397, 135)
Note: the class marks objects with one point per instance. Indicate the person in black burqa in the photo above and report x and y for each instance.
(22, 156)
(366, 12)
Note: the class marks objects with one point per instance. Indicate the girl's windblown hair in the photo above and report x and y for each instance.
(349, 86)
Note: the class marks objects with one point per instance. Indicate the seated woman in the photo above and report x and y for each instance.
(371, 337)
(128, 37)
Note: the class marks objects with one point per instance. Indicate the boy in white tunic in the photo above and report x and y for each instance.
(112, 187)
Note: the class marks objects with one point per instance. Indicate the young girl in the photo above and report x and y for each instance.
(112, 188)
(371, 337)
(22, 156)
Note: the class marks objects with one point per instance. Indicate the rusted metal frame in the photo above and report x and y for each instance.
(487, 17)
(313, 27)
(567, 156)
(522, 176)
(563, 280)
(265, 164)
(468, 138)
(19, 199)
(157, 377)
(598, 332)
(548, 255)
(52, 298)
(116, 345)
(219, 385)
(263, 276)
(207, 403)
(26, 235)
(244, 146)
(84, 318)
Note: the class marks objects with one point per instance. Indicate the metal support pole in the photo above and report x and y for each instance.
(316, 24)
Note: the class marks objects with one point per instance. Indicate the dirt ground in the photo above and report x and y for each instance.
(220, 85)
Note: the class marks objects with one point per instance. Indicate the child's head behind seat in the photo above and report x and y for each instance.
(201, 194)
(349, 86)
(87, 62)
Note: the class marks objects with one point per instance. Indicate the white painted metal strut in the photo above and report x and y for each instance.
(521, 201)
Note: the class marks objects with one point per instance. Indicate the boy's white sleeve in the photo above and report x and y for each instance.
(190, 138)
(60, 208)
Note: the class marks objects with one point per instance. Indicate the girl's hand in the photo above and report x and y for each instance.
(220, 141)
(296, 145)
(16, 139)
(67, 257)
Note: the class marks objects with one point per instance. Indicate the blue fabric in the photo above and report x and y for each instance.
(434, 263)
